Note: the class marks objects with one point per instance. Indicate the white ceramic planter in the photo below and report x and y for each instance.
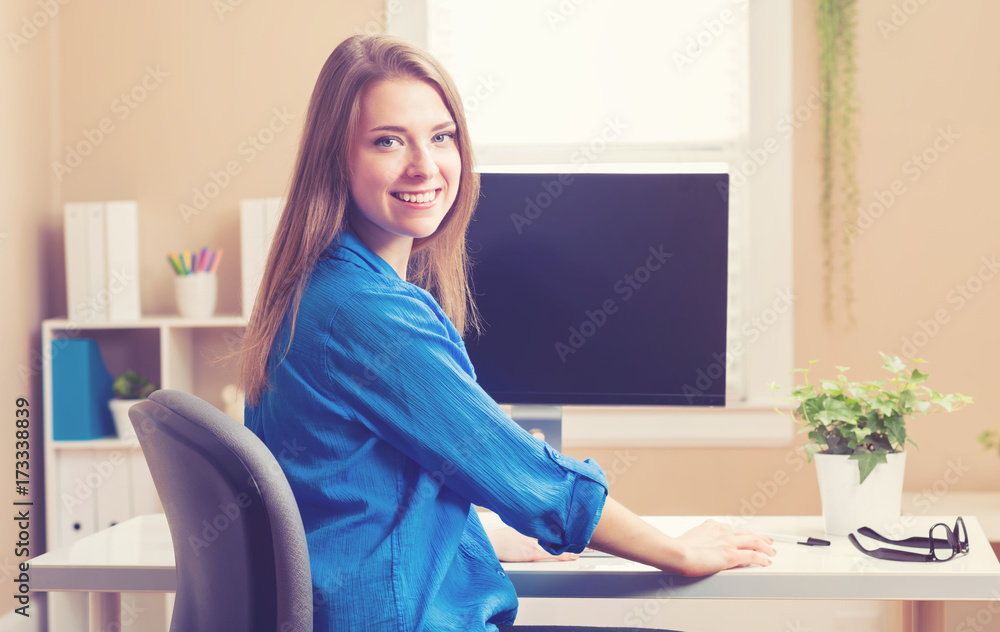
(119, 412)
(849, 504)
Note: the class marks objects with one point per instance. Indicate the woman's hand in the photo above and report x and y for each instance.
(713, 546)
(511, 546)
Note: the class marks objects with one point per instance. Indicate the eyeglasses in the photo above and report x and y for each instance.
(943, 542)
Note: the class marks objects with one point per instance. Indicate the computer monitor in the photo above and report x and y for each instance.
(602, 288)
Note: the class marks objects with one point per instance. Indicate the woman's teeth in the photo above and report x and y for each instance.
(418, 197)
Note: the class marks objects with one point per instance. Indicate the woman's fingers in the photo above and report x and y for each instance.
(755, 542)
(511, 546)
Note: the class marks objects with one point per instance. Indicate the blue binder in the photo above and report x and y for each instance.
(81, 388)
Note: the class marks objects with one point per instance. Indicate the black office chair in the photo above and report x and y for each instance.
(239, 544)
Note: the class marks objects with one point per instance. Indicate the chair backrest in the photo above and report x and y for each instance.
(239, 544)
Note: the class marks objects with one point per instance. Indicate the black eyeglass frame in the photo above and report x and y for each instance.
(956, 540)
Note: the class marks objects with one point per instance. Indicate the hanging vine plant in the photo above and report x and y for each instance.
(836, 22)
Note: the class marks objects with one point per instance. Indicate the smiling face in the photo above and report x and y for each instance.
(405, 167)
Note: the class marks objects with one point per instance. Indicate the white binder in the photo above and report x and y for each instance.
(252, 251)
(77, 505)
(97, 265)
(122, 236)
(258, 222)
(75, 233)
(114, 495)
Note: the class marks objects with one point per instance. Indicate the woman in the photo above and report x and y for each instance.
(354, 353)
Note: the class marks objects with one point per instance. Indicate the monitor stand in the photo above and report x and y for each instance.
(536, 419)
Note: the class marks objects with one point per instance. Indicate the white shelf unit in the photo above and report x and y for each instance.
(90, 485)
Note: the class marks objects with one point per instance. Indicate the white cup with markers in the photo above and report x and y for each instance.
(195, 281)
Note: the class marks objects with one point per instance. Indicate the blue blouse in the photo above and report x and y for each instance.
(387, 441)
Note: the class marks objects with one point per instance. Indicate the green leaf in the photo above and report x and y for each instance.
(831, 387)
(873, 421)
(811, 449)
(917, 376)
(867, 460)
(893, 363)
(896, 429)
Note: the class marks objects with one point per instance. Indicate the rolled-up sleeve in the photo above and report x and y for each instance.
(400, 368)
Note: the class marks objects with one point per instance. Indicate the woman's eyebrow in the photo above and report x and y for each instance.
(402, 130)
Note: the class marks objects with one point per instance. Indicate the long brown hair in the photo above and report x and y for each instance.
(319, 195)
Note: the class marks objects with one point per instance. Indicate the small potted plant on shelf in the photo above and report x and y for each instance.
(857, 432)
(128, 389)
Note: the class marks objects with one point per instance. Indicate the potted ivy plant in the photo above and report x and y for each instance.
(128, 389)
(857, 432)
(989, 439)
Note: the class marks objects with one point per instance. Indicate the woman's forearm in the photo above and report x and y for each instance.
(706, 549)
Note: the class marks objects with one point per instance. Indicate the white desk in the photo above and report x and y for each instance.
(137, 556)
(134, 556)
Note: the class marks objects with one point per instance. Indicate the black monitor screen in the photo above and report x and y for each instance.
(601, 288)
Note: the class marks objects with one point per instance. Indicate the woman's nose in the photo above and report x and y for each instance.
(421, 163)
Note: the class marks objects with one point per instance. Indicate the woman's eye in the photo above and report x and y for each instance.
(386, 142)
(444, 137)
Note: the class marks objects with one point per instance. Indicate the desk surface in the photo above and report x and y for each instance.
(137, 556)
(838, 571)
(134, 556)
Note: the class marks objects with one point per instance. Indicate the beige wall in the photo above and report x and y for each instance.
(218, 79)
(936, 71)
(27, 197)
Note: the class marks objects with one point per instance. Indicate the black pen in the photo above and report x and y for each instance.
(797, 539)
